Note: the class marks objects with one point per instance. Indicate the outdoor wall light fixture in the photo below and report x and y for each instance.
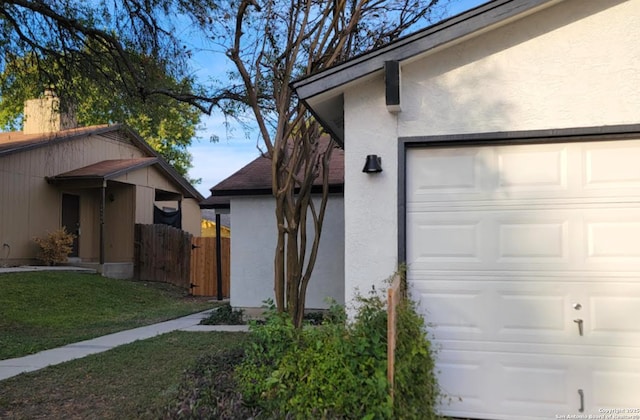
(373, 164)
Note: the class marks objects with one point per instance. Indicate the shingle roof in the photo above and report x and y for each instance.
(107, 169)
(255, 178)
(17, 141)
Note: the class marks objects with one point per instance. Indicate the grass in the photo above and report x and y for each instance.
(134, 381)
(42, 310)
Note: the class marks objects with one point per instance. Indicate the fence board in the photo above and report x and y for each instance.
(204, 267)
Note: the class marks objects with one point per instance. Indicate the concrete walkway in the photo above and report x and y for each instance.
(13, 367)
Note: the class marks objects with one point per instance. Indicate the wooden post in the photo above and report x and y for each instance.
(394, 295)
(218, 256)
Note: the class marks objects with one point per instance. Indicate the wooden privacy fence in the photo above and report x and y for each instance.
(394, 296)
(204, 267)
(162, 253)
(169, 255)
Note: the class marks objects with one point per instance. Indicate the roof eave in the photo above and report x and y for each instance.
(323, 91)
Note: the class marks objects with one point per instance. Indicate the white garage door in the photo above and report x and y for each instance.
(526, 262)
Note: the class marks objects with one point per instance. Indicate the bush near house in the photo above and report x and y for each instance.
(338, 370)
(55, 247)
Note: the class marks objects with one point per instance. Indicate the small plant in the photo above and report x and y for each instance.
(224, 315)
(55, 247)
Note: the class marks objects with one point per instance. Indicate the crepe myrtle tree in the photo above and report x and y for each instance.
(269, 44)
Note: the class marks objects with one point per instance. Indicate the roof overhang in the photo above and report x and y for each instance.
(323, 92)
(97, 174)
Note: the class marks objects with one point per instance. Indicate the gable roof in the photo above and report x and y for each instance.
(323, 92)
(255, 179)
(17, 141)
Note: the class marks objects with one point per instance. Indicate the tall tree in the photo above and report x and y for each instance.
(166, 124)
(270, 43)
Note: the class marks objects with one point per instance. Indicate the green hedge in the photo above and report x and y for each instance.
(338, 370)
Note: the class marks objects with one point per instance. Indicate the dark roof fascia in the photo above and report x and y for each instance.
(59, 139)
(217, 206)
(436, 35)
(316, 189)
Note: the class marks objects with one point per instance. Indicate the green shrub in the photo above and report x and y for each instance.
(416, 386)
(55, 247)
(338, 370)
(224, 315)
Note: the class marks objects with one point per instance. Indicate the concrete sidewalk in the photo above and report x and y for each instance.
(13, 367)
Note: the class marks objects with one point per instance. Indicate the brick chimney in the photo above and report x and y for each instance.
(44, 115)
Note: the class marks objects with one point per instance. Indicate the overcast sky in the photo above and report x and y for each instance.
(213, 162)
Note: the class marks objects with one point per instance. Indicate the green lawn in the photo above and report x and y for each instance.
(42, 310)
(134, 381)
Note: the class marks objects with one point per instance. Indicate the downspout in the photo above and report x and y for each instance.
(218, 257)
(102, 209)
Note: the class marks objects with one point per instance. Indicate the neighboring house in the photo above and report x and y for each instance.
(247, 193)
(96, 181)
(209, 229)
(510, 151)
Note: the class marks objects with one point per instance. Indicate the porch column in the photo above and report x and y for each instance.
(102, 207)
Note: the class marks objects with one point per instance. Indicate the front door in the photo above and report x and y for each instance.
(71, 219)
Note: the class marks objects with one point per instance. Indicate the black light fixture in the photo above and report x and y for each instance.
(373, 164)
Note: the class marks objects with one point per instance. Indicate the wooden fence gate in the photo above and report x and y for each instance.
(162, 253)
(169, 255)
(204, 268)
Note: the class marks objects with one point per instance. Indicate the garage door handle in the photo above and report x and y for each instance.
(581, 393)
(579, 322)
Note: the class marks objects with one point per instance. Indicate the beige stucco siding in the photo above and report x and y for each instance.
(574, 64)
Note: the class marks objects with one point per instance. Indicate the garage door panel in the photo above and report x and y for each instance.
(542, 171)
(611, 165)
(614, 384)
(587, 238)
(525, 261)
(530, 168)
(503, 387)
(612, 238)
(495, 311)
(517, 309)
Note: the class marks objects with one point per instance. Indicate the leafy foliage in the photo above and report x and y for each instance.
(55, 247)
(167, 125)
(338, 370)
(416, 385)
(224, 315)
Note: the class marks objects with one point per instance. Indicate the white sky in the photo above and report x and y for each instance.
(214, 162)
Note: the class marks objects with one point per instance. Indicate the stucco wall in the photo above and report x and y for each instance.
(572, 65)
(253, 243)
